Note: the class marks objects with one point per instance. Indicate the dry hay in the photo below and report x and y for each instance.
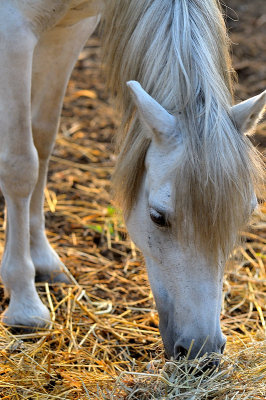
(103, 342)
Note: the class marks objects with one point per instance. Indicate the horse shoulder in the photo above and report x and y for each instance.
(80, 10)
(42, 15)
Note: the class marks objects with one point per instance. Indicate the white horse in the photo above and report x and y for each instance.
(186, 172)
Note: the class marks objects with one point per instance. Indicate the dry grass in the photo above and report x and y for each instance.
(103, 342)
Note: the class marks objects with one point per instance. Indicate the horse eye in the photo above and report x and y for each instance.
(158, 218)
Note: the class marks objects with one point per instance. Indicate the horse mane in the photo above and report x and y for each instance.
(179, 51)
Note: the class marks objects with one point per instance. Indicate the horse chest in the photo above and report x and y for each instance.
(43, 15)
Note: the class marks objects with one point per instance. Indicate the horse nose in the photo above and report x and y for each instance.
(197, 348)
(180, 351)
(204, 366)
(223, 345)
(209, 364)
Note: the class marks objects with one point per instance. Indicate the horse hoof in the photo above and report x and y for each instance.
(26, 319)
(52, 277)
(23, 330)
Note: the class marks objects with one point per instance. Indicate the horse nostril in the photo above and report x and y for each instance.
(223, 347)
(180, 351)
(209, 365)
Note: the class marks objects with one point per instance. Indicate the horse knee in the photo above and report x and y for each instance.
(18, 172)
(44, 133)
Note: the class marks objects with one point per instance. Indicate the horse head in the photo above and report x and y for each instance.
(185, 280)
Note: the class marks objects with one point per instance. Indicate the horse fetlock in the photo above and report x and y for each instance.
(48, 266)
(25, 310)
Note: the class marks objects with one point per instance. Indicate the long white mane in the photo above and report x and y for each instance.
(179, 51)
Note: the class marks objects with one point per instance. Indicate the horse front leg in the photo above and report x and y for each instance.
(54, 58)
(18, 171)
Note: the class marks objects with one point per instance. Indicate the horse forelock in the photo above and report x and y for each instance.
(179, 52)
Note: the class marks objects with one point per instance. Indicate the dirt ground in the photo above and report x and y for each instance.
(246, 21)
(106, 323)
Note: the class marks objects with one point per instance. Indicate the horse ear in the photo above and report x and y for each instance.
(247, 113)
(160, 122)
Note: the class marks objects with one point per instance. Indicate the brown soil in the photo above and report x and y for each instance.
(115, 328)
